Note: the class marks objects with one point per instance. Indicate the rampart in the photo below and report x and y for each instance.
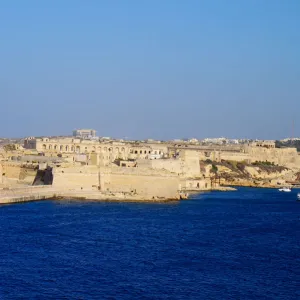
(147, 183)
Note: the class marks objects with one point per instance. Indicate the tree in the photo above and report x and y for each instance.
(10, 147)
(214, 168)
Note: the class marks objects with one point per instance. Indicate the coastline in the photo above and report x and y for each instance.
(37, 193)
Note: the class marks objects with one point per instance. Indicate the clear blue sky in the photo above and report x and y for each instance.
(150, 69)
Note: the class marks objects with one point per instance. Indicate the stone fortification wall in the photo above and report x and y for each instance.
(1, 172)
(12, 171)
(187, 164)
(235, 156)
(210, 148)
(16, 173)
(146, 185)
(129, 180)
(283, 156)
(191, 163)
(76, 177)
(194, 185)
(172, 165)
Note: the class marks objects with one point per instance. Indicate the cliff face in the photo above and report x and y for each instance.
(259, 174)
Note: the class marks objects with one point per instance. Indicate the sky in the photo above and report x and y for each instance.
(161, 69)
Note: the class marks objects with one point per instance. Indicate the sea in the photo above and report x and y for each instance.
(215, 245)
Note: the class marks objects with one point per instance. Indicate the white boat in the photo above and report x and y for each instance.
(285, 189)
(298, 196)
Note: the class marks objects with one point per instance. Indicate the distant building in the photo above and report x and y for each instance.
(84, 133)
(193, 141)
(156, 154)
(265, 144)
(216, 141)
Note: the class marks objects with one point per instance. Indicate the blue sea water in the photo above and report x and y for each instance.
(217, 245)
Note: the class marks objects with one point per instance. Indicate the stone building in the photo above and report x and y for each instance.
(84, 133)
(110, 150)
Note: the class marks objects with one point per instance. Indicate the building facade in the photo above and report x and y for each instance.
(84, 133)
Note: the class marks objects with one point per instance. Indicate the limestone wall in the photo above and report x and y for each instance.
(1, 172)
(194, 185)
(144, 182)
(283, 156)
(172, 165)
(191, 163)
(152, 186)
(76, 177)
(12, 171)
(235, 156)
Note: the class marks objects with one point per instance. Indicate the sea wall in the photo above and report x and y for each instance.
(17, 173)
(128, 180)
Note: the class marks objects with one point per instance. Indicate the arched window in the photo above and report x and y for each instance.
(60, 147)
(55, 147)
(78, 149)
(50, 147)
(123, 149)
(44, 147)
(72, 148)
(67, 148)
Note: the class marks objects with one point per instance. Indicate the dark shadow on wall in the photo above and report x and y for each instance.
(43, 177)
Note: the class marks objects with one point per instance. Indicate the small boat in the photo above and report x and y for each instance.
(298, 196)
(285, 189)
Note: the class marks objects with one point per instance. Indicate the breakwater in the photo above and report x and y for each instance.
(24, 194)
(34, 193)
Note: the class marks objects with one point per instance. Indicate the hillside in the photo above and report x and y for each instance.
(258, 174)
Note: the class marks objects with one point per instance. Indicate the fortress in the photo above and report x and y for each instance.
(132, 169)
(109, 151)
